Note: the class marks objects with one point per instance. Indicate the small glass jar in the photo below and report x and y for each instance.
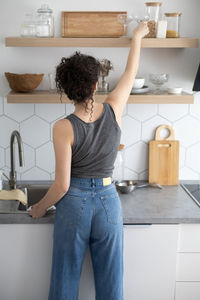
(45, 22)
(173, 24)
(153, 12)
(52, 82)
(119, 165)
(161, 27)
(28, 27)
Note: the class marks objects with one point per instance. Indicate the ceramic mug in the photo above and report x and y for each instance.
(138, 83)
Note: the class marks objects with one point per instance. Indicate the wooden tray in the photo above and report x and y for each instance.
(91, 24)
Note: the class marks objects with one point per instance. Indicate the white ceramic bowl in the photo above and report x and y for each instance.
(174, 90)
(138, 83)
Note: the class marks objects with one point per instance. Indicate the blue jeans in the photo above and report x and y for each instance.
(88, 214)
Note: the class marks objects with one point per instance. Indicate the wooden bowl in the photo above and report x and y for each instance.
(23, 82)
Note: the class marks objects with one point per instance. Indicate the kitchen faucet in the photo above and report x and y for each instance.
(13, 174)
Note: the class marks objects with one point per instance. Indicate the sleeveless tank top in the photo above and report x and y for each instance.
(95, 145)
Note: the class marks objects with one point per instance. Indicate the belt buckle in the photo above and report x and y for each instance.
(106, 180)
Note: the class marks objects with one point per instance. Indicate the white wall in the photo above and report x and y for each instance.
(139, 121)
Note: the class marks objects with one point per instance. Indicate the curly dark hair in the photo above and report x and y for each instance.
(76, 76)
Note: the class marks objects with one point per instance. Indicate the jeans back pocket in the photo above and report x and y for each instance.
(70, 208)
(112, 206)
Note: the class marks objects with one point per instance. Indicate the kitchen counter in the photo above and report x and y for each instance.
(171, 205)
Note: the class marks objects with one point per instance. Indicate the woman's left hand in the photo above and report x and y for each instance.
(37, 211)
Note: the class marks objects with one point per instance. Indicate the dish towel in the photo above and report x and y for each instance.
(15, 194)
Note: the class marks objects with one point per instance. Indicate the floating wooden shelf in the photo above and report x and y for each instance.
(100, 42)
(41, 96)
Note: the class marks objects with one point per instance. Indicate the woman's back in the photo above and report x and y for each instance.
(95, 144)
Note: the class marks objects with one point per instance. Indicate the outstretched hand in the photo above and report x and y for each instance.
(141, 30)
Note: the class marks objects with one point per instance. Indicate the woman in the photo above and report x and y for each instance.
(88, 208)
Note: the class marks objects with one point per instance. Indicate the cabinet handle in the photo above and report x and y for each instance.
(136, 225)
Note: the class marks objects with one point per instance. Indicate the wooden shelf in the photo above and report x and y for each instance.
(100, 42)
(41, 96)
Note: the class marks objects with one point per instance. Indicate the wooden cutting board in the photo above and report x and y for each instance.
(91, 24)
(164, 158)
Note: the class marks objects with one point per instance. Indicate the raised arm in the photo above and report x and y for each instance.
(119, 96)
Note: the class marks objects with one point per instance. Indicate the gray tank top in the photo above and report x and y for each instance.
(95, 145)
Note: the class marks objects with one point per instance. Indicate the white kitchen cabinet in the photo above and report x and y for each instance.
(187, 291)
(150, 262)
(25, 261)
(189, 238)
(188, 267)
(188, 263)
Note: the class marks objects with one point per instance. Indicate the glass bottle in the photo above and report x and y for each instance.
(119, 165)
(45, 21)
(153, 12)
(173, 24)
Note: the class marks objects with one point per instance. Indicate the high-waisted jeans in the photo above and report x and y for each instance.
(88, 214)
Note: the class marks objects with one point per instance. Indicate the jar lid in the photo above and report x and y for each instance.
(153, 3)
(44, 9)
(173, 14)
(121, 147)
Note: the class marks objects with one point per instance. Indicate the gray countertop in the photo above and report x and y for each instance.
(171, 205)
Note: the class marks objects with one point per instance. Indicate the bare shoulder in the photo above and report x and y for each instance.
(63, 128)
(62, 125)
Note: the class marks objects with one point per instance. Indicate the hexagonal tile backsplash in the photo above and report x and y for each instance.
(35, 121)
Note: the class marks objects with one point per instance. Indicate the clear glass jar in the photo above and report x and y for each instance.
(161, 27)
(119, 165)
(173, 24)
(28, 27)
(153, 12)
(45, 22)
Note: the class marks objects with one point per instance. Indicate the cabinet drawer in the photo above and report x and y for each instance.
(187, 291)
(189, 240)
(188, 267)
(150, 262)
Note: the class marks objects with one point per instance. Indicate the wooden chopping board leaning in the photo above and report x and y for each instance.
(164, 158)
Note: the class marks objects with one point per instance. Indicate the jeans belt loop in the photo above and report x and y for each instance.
(93, 182)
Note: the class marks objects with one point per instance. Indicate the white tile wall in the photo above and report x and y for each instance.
(35, 121)
(56, 111)
(35, 131)
(18, 112)
(46, 151)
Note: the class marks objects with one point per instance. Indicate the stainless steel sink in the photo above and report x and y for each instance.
(35, 192)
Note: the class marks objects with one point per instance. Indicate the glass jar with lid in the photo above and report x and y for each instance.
(173, 24)
(28, 27)
(45, 22)
(153, 12)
